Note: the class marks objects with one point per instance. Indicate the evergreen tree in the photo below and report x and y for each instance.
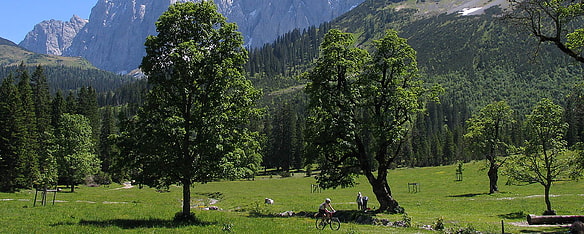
(87, 106)
(58, 107)
(11, 118)
(71, 106)
(106, 145)
(29, 148)
(42, 100)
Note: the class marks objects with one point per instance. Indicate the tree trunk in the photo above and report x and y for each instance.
(548, 203)
(493, 178)
(383, 194)
(186, 210)
(72, 186)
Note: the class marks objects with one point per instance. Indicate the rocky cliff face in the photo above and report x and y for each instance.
(53, 36)
(262, 21)
(114, 37)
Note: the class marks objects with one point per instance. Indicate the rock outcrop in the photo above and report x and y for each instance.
(53, 36)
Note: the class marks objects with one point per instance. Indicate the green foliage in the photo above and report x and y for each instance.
(360, 110)
(439, 224)
(66, 78)
(193, 125)
(488, 133)
(75, 149)
(543, 160)
(554, 21)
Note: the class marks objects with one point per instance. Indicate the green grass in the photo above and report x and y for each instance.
(460, 204)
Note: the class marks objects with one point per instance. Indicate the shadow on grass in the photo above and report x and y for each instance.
(136, 223)
(469, 195)
(514, 215)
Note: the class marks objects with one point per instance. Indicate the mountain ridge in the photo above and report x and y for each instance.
(113, 39)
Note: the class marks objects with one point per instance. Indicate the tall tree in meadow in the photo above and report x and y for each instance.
(543, 161)
(193, 125)
(74, 149)
(361, 110)
(486, 132)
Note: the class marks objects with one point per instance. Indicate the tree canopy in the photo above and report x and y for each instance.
(487, 133)
(361, 108)
(192, 127)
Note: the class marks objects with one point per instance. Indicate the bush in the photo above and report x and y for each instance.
(102, 178)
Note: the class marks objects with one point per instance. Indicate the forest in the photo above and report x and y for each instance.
(478, 60)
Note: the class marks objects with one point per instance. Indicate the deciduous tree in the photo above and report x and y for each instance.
(361, 109)
(543, 160)
(553, 21)
(193, 125)
(74, 149)
(486, 132)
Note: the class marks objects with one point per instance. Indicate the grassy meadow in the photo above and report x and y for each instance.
(460, 204)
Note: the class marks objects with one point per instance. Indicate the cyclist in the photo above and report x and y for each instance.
(325, 209)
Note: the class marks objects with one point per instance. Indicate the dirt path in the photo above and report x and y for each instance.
(127, 185)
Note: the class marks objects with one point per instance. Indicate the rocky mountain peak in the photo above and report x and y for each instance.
(114, 37)
(53, 36)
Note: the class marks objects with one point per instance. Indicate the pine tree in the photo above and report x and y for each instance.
(58, 107)
(10, 133)
(106, 146)
(28, 165)
(88, 107)
(42, 100)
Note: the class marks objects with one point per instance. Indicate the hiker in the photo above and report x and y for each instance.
(325, 209)
(365, 200)
(359, 201)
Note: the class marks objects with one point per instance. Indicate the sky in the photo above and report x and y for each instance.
(18, 17)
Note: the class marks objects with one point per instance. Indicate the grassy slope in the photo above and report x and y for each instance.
(460, 204)
(12, 55)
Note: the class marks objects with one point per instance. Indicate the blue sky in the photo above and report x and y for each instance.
(18, 17)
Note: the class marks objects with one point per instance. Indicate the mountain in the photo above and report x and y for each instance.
(478, 58)
(12, 54)
(53, 36)
(113, 39)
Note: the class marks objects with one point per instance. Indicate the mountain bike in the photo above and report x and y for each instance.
(322, 221)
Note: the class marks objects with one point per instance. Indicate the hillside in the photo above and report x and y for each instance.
(477, 58)
(63, 73)
(12, 55)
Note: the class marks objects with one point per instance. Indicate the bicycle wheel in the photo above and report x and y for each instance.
(320, 223)
(335, 224)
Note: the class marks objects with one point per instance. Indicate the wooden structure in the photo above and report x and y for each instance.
(44, 193)
(315, 188)
(414, 187)
(553, 219)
